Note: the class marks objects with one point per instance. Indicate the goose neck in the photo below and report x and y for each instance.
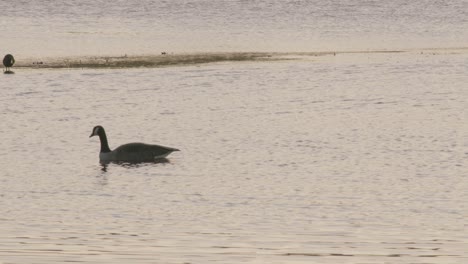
(104, 144)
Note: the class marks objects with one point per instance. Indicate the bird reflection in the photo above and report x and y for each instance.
(105, 164)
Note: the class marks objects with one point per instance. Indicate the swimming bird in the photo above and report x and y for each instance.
(8, 62)
(131, 152)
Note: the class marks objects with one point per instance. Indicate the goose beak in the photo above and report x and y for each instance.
(92, 134)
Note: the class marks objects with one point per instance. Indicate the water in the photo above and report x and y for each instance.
(100, 27)
(348, 158)
(353, 158)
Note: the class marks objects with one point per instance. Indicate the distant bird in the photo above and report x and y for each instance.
(8, 62)
(131, 152)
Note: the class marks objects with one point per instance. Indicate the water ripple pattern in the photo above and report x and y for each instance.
(354, 158)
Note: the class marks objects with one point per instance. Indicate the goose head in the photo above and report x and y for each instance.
(97, 130)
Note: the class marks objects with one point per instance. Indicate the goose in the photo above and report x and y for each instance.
(131, 152)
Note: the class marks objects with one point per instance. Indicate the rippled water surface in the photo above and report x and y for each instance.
(353, 158)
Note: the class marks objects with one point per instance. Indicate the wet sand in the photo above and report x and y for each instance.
(181, 59)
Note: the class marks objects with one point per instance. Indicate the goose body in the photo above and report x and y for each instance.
(131, 152)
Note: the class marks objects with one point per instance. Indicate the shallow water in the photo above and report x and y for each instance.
(354, 158)
(44, 28)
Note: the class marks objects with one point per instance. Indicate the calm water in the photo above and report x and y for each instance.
(100, 27)
(353, 158)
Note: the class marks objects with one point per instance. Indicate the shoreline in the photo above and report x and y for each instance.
(141, 61)
(181, 59)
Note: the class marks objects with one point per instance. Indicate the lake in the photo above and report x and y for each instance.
(355, 155)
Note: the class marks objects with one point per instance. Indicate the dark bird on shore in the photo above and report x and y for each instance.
(131, 152)
(8, 62)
